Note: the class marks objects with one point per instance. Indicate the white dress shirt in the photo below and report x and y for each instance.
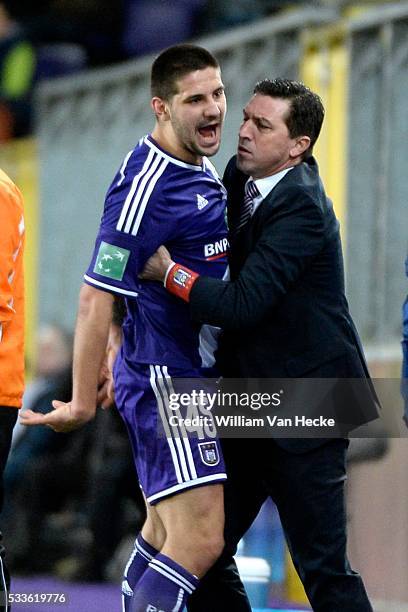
(265, 186)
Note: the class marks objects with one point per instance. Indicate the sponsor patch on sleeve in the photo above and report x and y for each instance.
(111, 261)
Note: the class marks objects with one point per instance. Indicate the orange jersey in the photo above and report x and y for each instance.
(11, 293)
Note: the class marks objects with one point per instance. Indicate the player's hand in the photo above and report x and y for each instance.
(105, 397)
(106, 393)
(62, 418)
(157, 265)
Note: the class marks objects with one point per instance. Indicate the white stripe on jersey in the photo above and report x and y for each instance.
(132, 190)
(139, 192)
(110, 287)
(173, 160)
(146, 197)
(212, 169)
(123, 168)
(170, 440)
(184, 436)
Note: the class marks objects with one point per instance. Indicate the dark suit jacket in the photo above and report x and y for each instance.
(284, 313)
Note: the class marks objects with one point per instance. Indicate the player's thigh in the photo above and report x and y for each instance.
(153, 529)
(198, 510)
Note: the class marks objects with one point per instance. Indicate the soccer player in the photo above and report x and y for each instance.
(166, 191)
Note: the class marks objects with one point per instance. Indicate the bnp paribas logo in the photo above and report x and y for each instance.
(111, 261)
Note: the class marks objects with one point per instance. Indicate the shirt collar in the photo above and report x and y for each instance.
(265, 185)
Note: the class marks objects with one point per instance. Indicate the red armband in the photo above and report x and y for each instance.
(180, 280)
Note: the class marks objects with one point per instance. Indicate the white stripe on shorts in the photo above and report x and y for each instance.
(170, 440)
(173, 428)
(184, 485)
(184, 436)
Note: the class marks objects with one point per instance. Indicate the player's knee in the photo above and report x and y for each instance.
(214, 548)
(208, 548)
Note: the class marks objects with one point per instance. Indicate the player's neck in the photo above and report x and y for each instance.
(173, 148)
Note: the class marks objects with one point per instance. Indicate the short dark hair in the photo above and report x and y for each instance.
(174, 63)
(306, 111)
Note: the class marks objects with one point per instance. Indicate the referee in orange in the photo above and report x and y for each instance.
(11, 334)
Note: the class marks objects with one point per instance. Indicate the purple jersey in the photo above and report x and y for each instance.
(157, 199)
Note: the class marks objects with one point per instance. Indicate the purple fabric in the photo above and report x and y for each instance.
(164, 586)
(137, 565)
(169, 460)
(157, 199)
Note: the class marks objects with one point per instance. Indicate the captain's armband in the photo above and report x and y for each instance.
(179, 280)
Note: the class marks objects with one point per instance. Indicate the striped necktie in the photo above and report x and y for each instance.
(251, 193)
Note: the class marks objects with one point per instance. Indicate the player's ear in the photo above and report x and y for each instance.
(160, 108)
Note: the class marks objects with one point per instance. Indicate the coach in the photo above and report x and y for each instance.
(284, 314)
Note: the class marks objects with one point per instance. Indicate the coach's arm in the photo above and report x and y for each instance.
(291, 237)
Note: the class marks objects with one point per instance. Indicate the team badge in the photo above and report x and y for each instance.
(111, 261)
(209, 453)
(181, 277)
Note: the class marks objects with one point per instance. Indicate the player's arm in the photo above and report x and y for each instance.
(91, 335)
(287, 244)
(106, 391)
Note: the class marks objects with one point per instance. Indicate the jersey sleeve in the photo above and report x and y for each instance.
(132, 227)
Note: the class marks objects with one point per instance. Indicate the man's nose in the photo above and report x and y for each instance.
(245, 130)
(213, 109)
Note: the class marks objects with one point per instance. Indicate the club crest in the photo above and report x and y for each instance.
(209, 453)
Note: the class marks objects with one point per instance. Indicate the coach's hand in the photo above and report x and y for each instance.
(63, 417)
(157, 265)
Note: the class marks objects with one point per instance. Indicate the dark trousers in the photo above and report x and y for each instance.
(308, 490)
(8, 417)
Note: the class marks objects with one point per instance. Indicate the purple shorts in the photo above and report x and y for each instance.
(171, 455)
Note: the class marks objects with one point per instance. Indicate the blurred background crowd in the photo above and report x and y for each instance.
(52, 38)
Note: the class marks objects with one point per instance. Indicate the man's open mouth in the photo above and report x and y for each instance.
(208, 131)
